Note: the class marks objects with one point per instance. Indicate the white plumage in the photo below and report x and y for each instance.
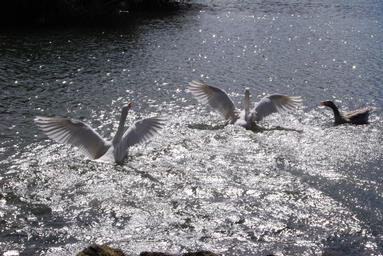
(221, 102)
(79, 134)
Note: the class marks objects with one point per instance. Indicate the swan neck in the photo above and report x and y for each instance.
(247, 103)
(120, 130)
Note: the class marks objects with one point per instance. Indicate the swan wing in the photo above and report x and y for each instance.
(141, 131)
(215, 97)
(73, 132)
(274, 103)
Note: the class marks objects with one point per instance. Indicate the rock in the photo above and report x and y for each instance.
(199, 253)
(154, 254)
(104, 250)
(101, 250)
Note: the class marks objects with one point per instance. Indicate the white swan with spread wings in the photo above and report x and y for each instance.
(222, 103)
(79, 134)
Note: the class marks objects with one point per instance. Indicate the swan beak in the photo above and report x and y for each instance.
(322, 104)
(130, 104)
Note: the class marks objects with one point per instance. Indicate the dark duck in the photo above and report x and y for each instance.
(359, 116)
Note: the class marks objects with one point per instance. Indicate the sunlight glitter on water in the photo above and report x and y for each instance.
(228, 186)
(300, 187)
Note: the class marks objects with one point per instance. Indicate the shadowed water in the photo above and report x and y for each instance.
(297, 186)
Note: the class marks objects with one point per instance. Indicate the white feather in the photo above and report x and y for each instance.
(221, 102)
(78, 134)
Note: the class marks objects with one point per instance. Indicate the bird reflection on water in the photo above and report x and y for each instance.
(254, 127)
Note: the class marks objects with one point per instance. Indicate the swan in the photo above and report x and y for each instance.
(359, 116)
(221, 102)
(90, 143)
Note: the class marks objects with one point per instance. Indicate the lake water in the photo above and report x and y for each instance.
(301, 187)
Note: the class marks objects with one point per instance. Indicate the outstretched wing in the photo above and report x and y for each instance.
(274, 103)
(73, 132)
(361, 111)
(215, 97)
(141, 131)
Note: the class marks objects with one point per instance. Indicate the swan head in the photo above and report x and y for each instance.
(247, 92)
(327, 103)
(127, 107)
(247, 103)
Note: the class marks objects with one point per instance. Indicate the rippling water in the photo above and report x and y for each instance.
(301, 187)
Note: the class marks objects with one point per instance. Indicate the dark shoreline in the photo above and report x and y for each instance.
(45, 13)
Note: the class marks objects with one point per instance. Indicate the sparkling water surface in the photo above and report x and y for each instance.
(300, 187)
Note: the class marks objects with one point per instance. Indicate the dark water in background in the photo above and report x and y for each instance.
(305, 192)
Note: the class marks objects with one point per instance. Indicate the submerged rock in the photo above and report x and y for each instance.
(199, 253)
(101, 250)
(104, 250)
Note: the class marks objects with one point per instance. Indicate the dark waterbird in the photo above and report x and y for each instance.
(359, 116)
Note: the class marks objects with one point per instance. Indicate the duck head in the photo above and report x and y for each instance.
(328, 103)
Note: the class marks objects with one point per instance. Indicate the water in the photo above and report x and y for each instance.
(308, 189)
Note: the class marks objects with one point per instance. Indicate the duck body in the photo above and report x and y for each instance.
(357, 117)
